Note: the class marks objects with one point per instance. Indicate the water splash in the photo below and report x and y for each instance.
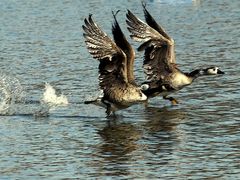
(11, 92)
(13, 99)
(52, 99)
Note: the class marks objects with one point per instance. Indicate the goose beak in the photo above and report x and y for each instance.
(220, 72)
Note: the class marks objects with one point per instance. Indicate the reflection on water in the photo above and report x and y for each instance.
(162, 128)
(41, 41)
(119, 138)
(163, 119)
(119, 141)
(125, 143)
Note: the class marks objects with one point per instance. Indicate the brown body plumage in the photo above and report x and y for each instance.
(159, 58)
(116, 78)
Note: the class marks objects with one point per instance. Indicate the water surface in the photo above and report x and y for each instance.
(41, 41)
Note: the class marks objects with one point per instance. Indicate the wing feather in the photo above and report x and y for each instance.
(152, 23)
(112, 67)
(159, 48)
(122, 42)
(140, 31)
(100, 46)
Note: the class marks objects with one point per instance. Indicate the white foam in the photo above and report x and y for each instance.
(50, 97)
(11, 92)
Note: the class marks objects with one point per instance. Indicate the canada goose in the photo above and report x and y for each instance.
(159, 58)
(116, 78)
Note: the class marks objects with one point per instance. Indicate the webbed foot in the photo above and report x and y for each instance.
(173, 100)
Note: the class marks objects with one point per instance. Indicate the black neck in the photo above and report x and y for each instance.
(194, 74)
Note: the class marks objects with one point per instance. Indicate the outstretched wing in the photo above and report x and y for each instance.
(159, 47)
(152, 23)
(112, 67)
(122, 43)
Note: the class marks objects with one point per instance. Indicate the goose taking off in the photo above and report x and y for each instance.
(116, 78)
(159, 58)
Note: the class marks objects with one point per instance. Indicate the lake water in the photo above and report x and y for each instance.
(41, 42)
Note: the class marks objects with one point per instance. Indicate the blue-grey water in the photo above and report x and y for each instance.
(41, 42)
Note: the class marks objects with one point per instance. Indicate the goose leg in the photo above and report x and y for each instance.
(108, 107)
(146, 103)
(108, 111)
(173, 100)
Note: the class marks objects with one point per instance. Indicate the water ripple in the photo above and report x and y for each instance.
(41, 41)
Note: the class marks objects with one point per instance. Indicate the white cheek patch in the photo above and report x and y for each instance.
(213, 71)
(144, 87)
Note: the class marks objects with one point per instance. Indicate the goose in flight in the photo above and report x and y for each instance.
(116, 57)
(159, 58)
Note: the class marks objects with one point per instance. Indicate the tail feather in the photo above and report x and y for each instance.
(90, 102)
